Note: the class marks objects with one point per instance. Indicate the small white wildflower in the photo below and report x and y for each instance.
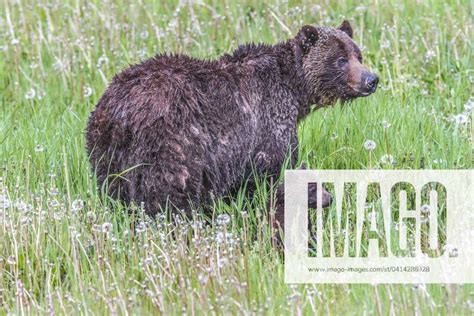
(222, 262)
(386, 124)
(54, 191)
(220, 238)
(223, 219)
(4, 202)
(30, 94)
(15, 41)
(461, 119)
(39, 148)
(469, 106)
(385, 44)
(11, 260)
(430, 54)
(23, 206)
(25, 220)
(140, 228)
(387, 159)
(107, 227)
(438, 161)
(87, 91)
(148, 260)
(58, 65)
(144, 34)
(369, 145)
(53, 203)
(77, 205)
(58, 216)
(103, 60)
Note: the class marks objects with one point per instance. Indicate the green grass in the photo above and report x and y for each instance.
(55, 61)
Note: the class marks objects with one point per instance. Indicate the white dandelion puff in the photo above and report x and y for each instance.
(4, 202)
(223, 219)
(103, 60)
(144, 34)
(430, 54)
(387, 159)
(369, 145)
(11, 260)
(77, 205)
(386, 124)
(461, 119)
(30, 94)
(39, 148)
(87, 91)
(469, 106)
(107, 227)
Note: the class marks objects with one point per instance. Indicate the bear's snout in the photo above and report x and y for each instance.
(370, 82)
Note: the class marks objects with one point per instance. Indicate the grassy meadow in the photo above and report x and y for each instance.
(65, 248)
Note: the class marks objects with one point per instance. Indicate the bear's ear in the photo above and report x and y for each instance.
(307, 37)
(346, 28)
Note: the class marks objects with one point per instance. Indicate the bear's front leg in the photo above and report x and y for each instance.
(277, 207)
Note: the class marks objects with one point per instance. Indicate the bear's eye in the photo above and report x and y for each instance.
(360, 59)
(342, 61)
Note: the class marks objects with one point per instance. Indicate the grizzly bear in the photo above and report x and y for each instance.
(174, 131)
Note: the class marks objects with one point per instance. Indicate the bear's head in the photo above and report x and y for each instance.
(331, 63)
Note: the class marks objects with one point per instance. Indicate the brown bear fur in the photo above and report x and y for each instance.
(175, 129)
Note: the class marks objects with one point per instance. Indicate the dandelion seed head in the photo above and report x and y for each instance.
(469, 105)
(222, 262)
(22, 206)
(30, 94)
(87, 91)
(39, 148)
(144, 34)
(386, 124)
(103, 60)
(4, 202)
(53, 203)
(461, 119)
(369, 145)
(223, 219)
(77, 205)
(430, 54)
(107, 227)
(11, 260)
(53, 191)
(387, 159)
